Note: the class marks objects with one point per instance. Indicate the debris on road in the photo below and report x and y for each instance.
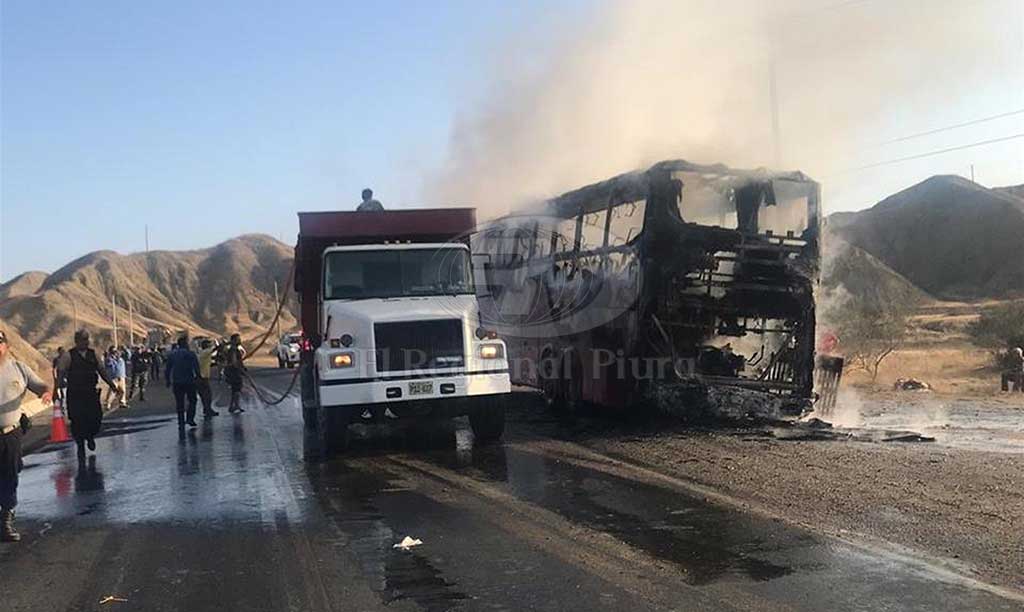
(408, 543)
(112, 599)
(910, 384)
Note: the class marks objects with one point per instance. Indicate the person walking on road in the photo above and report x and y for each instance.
(140, 373)
(118, 369)
(181, 372)
(369, 204)
(234, 366)
(156, 358)
(60, 385)
(207, 352)
(16, 379)
(82, 369)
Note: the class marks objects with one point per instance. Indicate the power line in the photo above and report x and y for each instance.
(939, 152)
(952, 127)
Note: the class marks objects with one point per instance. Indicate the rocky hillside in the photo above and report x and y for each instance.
(23, 284)
(948, 236)
(853, 270)
(217, 291)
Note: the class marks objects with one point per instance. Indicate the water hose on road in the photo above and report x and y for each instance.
(277, 317)
(262, 397)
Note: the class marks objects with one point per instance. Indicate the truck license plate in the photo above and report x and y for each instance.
(421, 388)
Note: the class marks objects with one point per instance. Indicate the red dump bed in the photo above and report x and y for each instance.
(320, 230)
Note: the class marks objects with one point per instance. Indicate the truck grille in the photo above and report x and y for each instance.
(413, 345)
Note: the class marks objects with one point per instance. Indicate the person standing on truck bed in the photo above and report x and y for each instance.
(369, 204)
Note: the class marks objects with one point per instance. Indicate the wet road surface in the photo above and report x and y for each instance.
(233, 518)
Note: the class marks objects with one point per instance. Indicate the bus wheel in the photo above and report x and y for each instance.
(551, 383)
(488, 419)
(573, 384)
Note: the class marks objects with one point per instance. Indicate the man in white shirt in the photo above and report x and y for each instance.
(16, 379)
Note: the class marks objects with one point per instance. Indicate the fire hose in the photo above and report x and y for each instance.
(277, 317)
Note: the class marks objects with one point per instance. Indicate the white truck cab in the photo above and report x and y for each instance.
(400, 337)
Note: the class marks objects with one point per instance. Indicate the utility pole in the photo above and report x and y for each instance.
(131, 324)
(972, 173)
(113, 307)
(774, 101)
(277, 304)
(147, 237)
(75, 306)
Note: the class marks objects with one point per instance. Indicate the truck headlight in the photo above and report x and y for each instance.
(492, 351)
(342, 360)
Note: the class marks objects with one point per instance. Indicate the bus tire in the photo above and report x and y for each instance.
(570, 383)
(488, 419)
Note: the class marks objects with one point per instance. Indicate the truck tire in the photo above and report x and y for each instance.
(332, 430)
(307, 394)
(488, 419)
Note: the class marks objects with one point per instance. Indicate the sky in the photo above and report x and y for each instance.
(204, 121)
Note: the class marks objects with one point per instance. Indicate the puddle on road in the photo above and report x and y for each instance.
(347, 497)
(707, 542)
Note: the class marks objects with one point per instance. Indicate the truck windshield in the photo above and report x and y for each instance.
(353, 275)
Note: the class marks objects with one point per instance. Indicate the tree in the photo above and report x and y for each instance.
(1000, 327)
(869, 331)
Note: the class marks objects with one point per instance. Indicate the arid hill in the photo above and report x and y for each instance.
(952, 238)
(1016, 191)
(22, 284)
(853, 270)
(217, 291)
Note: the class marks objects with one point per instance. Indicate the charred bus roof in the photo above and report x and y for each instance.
(635, 185)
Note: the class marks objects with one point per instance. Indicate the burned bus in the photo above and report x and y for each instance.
(678, 273)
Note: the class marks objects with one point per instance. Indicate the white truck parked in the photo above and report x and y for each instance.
(393, 324)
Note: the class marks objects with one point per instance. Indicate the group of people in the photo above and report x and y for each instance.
(188, 375)
(132, 370)
(77, 373)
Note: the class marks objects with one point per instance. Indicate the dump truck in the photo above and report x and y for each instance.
(391, 324)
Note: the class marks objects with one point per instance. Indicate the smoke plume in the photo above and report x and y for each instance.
(647, 80)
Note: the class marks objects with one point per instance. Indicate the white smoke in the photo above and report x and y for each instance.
(654, 79)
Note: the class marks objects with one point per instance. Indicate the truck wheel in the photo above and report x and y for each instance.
(309, 416)
(333, 432)
(488, 420)
(290, 365)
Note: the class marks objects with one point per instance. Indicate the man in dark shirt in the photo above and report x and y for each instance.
(181, 372)
(369, 204)
(1014, 372)
(140, 372)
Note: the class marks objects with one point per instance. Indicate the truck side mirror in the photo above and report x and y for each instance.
(482, 274)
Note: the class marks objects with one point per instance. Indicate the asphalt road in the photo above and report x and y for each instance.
(233, 518)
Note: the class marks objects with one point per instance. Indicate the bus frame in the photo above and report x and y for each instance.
(702, 273)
